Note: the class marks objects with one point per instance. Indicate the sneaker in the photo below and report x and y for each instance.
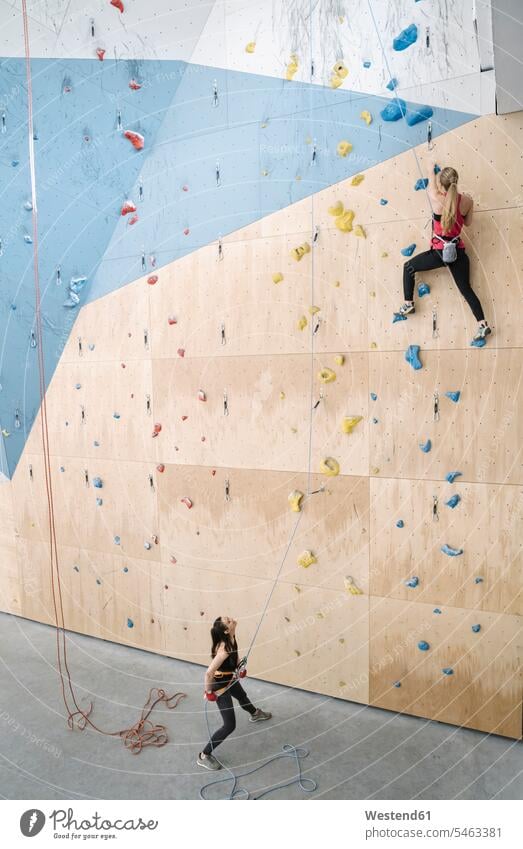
(260, 715)
(406, 309)
(208, 762)
(483, 330)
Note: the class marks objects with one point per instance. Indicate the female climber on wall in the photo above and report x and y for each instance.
(222, 684)
(451, 210)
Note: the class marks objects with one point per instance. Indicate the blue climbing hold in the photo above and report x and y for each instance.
(448, 671)
(117, 540)
(99, 501)
(412, 582)
(423, 289)
(454, 396)
(373, 396)
(97, 482)
(392, 83)
(478, 580)
(476, 628)
(367, 63)
(437, 169)
(412, 357)
(78, 386)
(451, 476)
(62, 468)
(130, 623)
(422, 113)
(409, 250)
(423, 646)
(125, 568)
(400, 523)
(478, 343)
(383, 201)
(394, 110)
(147, 545)
(436, 610)
(451, 552)
(116, 415)
(397, 316)
(453, 501)
(397, 684)
(425, 446)
(420, 184)
(406, 37)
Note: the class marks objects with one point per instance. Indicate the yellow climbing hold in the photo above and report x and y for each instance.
(308, 140)
(306, 559)
(294, 430)
(373, 345)
(292, 67)
(375, 470)
(330, 467)
(336, 81)
(313, 310)
(349, 423)
(344, 222)
(367, 117)
(265, 173)
(297, 653)
(337, 209)
(337, 283)
(351, 587)
(282, 396)
(384, 254)
(340, 70)
(302, 323)
(344, 148)
(277, 277)
(359, 231)
(339, 359)
(327, 375)
(297, 588)
(250, 47)
(294, 500)
(299, 252)
(357, 179)
(5, 433)
(372, 294)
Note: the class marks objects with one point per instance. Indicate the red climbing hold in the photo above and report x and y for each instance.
(128, 207)
(185, 188)
(136, 139)
(117, 5)
(184, 418)
(187, 501)
(152, 279)
(201, 395)
(181, 352)
(203, 438)
(133, 220)
(173, 559)
(122, 365)
(160, 467)
(213, 472)
(135, 86)
(100, 52)
(157, 429)
(186, 231)
(172, 319)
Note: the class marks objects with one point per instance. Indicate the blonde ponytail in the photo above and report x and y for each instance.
(448, 178)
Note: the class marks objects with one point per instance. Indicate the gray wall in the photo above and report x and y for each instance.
(507, 21)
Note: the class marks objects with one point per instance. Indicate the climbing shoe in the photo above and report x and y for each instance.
(407, 309)
(483, 331)
(208, 762)
(260, 715)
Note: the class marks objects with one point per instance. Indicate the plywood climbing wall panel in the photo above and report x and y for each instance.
(480, 436)
(36, 597)
(255, 408)
(484, 691)
(494, 241)
(315, 640)
(249, 534)
(9, 575)
(486, 523)
(103, 403)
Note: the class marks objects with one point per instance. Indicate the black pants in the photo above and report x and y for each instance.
(460, 270)
(226, 706)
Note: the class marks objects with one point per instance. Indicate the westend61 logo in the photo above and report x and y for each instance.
(65, 825)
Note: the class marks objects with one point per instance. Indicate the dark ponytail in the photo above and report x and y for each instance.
(219, 635)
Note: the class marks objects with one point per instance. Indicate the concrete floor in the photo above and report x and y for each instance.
(355, 752)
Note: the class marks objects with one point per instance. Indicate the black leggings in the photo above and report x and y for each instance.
(459, 270)
(226, 706)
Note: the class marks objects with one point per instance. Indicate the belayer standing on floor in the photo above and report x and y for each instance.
(222, 685)
(450, 211)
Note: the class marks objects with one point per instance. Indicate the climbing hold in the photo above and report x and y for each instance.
(181, 352)
(172, 320)
(357, 179)
(294, 498)
(478, 580)
(409, 250)
(313, 310)
(375, 421)
(201, 395)
(184, 418)
(384, 254)
(302, 323)
(339, 72)
(343, 148)
(157, 429)
(277, 277)
(339, 359)
(147, 545)
(400, 523)
(125, 569)
(451, 476)
(116, 415)
(406, 37)
(373, 396)
(100, 52)
(327, 375)
(367, 63)
(132, 220)
(78, 386)
(136, 139)
(128, 207)
(350, 586)
(383, 201)
(282, 396)
(152, 279)
(299, 252)
(337, 283)
(476, 628)
(392, 84)
(344, 221)
(292, 67)
(478, 343)
(436, 610)
(425, 446)
(421, 113)
(423, 645)
(329, 467)
(306, 559)
(130, 623)
(453, 501)
(349, 423)
(160, 468)
(366, 116)
(99, 502)
(394, 110)
(412, 582)
(62, 468)
(186, 231)
(398, 316)
(336, 210)
(448, 671)
(76, 568)
(98, 483)
(116, 540)
(396, 684)
(187, 501)
(96, 444)
(451, 552)
(117, 4)
(359, 231)
(250, 47)
(454, 396)
(134, 85)
(423, 289)
(420, 184)
(412, 357)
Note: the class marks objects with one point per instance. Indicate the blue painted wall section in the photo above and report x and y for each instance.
(86, 169)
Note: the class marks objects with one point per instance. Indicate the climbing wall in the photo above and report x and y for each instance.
(235, 345)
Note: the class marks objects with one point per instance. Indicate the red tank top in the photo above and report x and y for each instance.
(452, 233)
